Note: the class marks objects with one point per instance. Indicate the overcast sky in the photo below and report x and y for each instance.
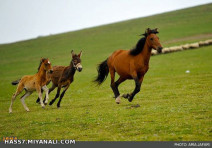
(25, 19)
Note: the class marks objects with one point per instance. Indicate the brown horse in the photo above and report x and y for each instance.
(129, 64)
(63, 76)
(33, 83)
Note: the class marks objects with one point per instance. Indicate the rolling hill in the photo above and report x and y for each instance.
(173, 105)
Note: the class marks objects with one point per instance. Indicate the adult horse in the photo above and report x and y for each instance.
(31, 83)
(129, 64)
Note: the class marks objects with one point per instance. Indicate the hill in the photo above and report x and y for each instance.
(174, 105)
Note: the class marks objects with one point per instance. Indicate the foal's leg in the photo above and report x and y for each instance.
(23, 98)
(56, 96)
(18, 91)
(38, 89)
(38, 100)
(50, 90)
(62, 94)
(45, 88)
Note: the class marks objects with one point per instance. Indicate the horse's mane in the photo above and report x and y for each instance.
(140, 44)
(139, 47)
(41, 61)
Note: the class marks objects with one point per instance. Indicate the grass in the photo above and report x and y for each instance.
(174, 105)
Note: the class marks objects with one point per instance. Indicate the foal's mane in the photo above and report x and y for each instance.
(41, 61)
(140, 44)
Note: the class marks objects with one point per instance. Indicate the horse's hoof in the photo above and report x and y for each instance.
(126, 96)
(118, 100)
(130, 100)
(43, 106)
(45, 103)
(50, 103)
(58, 107)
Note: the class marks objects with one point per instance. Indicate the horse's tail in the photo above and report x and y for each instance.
(103, 71)
(16, 82)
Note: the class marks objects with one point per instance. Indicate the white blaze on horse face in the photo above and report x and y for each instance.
(49, 62)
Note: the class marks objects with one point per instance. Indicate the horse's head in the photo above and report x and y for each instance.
(76, 61)
(47, 65)
(152, 39)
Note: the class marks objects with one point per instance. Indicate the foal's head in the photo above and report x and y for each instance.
(152, 39)
(76, 61)
(46, 65)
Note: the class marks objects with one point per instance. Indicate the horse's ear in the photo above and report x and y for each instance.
(148, 30)
(72, 53)
(41, 59)
(145, 34)
(80, 54)
(156, 30)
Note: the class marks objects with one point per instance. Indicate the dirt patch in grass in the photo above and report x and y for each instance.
(188, 38)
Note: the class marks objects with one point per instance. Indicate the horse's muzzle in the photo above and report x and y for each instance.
(79, 69)
(51, 71)
(159, 49)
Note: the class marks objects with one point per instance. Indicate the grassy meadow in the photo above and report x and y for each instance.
(174, 105)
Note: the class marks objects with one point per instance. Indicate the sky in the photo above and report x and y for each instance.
(26, 19)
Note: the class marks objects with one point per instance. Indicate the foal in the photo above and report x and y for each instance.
(129, 64)
(33, 83)
(63, 76)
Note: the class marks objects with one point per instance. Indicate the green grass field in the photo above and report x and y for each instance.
(174, 105)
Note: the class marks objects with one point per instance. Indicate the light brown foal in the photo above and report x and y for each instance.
(31, 83)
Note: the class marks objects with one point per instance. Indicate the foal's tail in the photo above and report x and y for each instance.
(16, 82)
(103, 71)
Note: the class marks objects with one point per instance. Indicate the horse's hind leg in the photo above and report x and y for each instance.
(117, 83)
(23, 100)
(113, 85)
(62, 94)
(18, 91)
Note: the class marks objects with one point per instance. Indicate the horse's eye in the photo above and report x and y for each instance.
(151, 39)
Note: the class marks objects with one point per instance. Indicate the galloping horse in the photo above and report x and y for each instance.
(63, 76)
(129, 64)
(33, 83)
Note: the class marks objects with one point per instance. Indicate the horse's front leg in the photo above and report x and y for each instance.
(40, 96)
(56, 96)
(45, 88)
(138, 83)
(62, 94)
(38, 100)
